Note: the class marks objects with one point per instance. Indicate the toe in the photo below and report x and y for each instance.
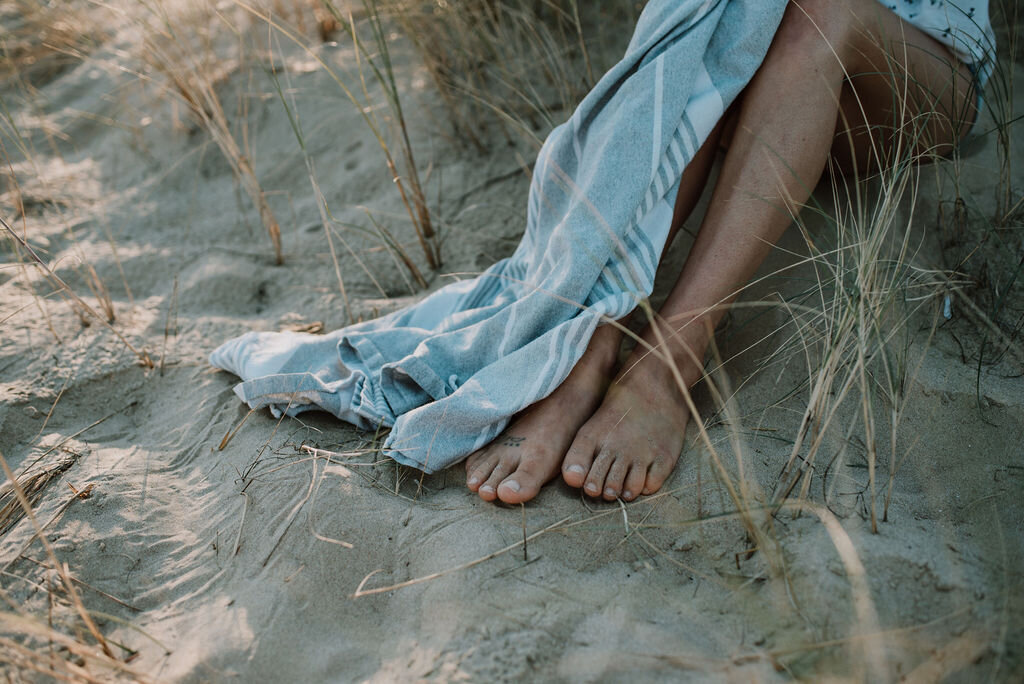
(511, 492)
(659, 472)
(598, 471)
(578, 460)
(634, 481)
(524, 484)
(478, 468)
(488, 491)
(614, 479)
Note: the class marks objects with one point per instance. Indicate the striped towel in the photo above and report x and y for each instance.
(448, 373)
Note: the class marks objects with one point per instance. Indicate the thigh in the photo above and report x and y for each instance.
(905, 93)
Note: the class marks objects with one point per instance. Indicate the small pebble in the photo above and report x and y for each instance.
(686, 542)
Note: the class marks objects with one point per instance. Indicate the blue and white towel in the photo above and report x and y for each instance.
(448, 373)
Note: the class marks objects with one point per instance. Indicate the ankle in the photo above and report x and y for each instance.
(603, 349)
(683, 361)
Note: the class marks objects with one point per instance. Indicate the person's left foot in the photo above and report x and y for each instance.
(632, 442)
(527, 455)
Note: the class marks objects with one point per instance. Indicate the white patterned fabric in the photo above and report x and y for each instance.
(963, 26)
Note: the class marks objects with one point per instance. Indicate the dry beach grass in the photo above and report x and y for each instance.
(173, 173)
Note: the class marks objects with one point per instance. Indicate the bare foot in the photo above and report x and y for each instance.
(631, 444)
(527, 455)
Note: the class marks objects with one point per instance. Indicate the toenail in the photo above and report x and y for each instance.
(609, 492)
(488, 489)
(575, 469)
(627, 494)
(512, 484)
(473, 480)
(591, 487)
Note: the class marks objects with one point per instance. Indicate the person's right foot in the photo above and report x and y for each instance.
(528, 454)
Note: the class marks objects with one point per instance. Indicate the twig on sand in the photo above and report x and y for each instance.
(889, 633)
(231, 433)
(678, 563)
(291, 516)
(874, 648)
(526, 557)
(172, 314)
(625, 516)
(360, 592)
(72, 672)
(345, 472)
(53, 406)
(33, 484)
(142, 354)
(32, 539)
(61, 568)
(67, 439)
(241, 525)
(88, 586)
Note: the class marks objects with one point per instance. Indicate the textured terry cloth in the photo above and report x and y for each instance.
(448, 373)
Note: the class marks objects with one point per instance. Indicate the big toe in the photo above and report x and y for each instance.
(525, 482)
(577, 462)
(512, 491)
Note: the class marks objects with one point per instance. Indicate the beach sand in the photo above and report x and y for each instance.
(240, 561)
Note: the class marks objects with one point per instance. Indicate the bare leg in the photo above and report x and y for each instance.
(528, 454)
(786, 129)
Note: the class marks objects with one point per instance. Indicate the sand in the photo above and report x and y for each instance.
(241, 563)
